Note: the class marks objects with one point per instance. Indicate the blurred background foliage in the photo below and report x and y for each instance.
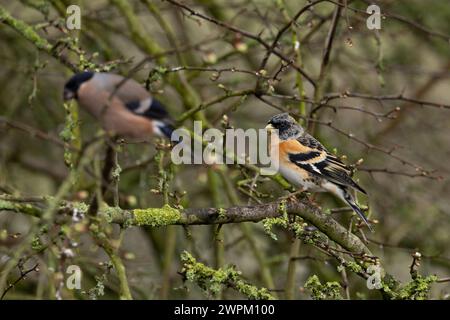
(404, 145)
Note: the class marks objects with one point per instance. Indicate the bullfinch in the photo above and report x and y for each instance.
(122, 106)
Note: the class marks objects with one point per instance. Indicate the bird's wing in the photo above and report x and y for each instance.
(134, 97)
(310, 155)
(154, 110)
(150, 108)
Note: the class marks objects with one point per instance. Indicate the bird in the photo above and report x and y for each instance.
(307, 164)
(122, 106)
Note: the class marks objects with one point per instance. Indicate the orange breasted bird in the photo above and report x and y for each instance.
(305, 162)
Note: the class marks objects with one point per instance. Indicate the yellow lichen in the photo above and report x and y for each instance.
(157, 217)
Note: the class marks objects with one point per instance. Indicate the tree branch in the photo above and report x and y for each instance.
(31, 35)
(157, 217)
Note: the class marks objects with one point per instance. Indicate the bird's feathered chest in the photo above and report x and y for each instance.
(280, 151)
(113, 114)
(305, 162)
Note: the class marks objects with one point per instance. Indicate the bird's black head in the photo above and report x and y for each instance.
(72, 86)
(286, 125)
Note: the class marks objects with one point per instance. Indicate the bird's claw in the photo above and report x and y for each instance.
(292, 196)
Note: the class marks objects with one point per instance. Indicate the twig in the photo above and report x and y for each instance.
(35, 132)
(394, 97)
(23, 275)
(283, 30)
(245, 34)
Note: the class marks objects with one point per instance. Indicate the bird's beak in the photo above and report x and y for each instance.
(68, 95)
(270, 127)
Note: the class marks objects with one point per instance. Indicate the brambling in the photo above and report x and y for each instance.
(305, 162)
(121, 105)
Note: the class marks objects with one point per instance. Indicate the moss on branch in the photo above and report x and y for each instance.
(20, 207)
(29, 33)
(213, 281)
(25, 30)
(166, 215)
(157, 217)
(417, 289)
(327, 291)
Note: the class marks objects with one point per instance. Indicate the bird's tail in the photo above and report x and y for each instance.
(164, 128)
(167, 130)
(351, 202)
